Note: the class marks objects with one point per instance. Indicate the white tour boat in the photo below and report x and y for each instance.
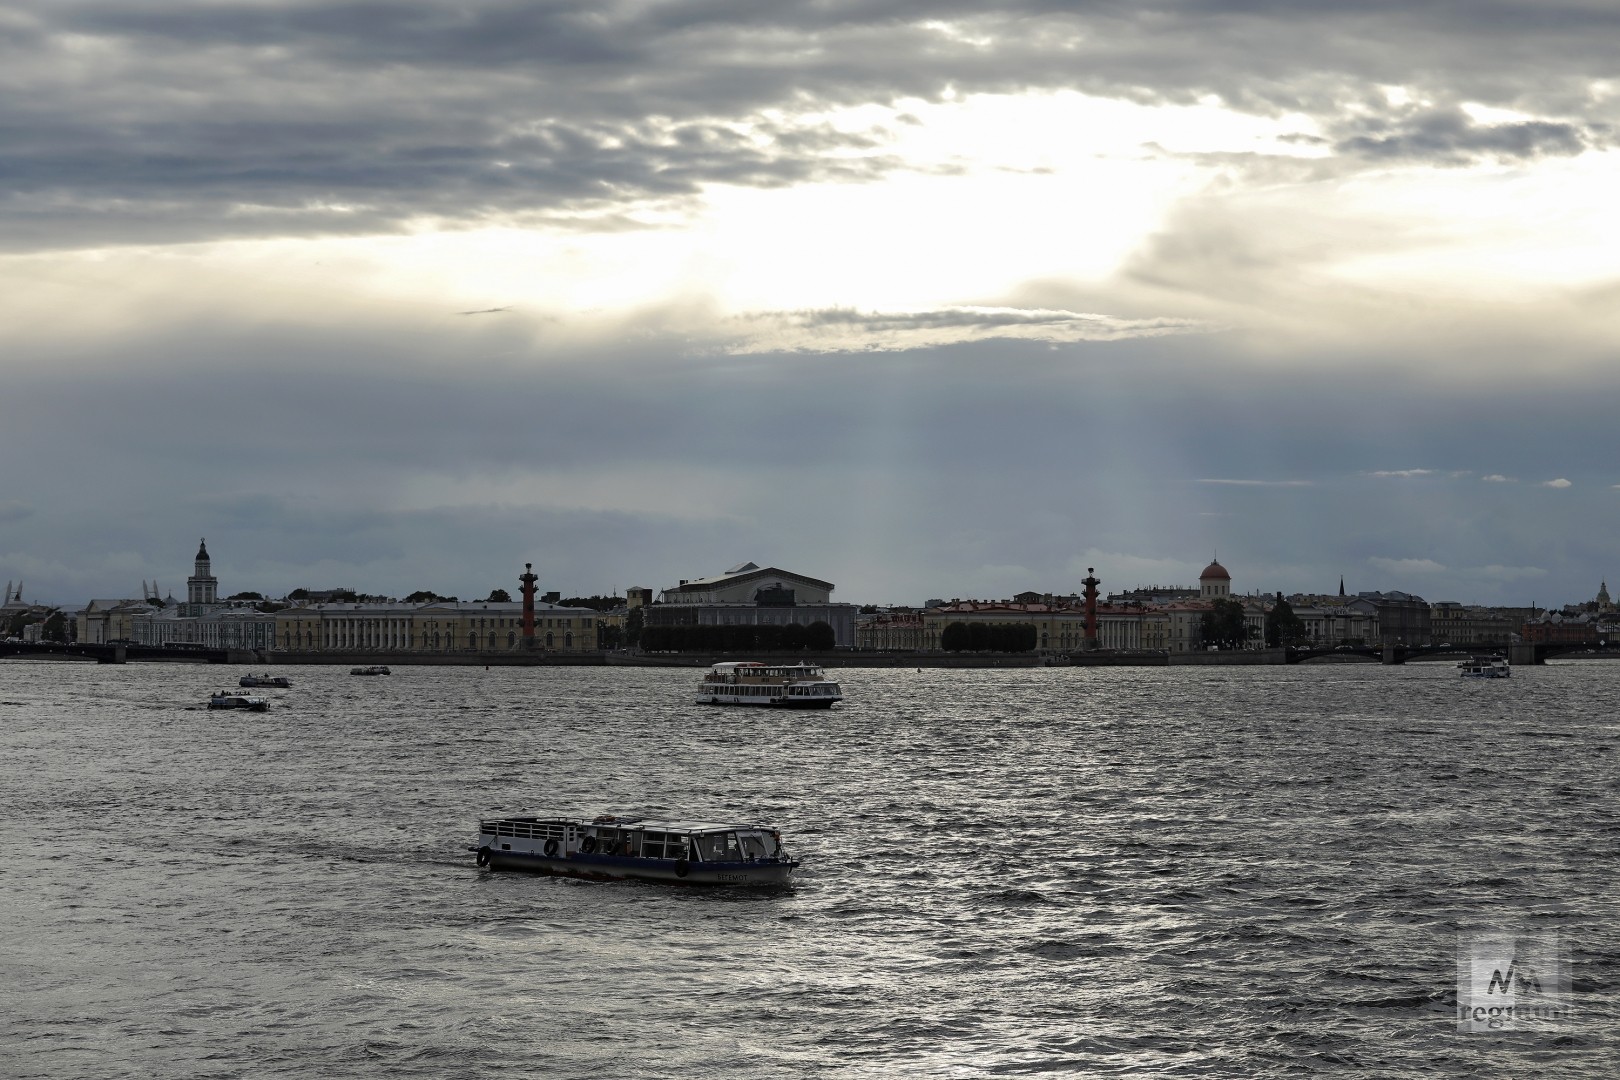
(610, 847)
(1484, 667)
(782, 686)
(373, 669)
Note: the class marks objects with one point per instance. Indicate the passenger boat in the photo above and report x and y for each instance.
(782, 686)
(235, 699)
(264, 680)
(612, 847)
(374, 669)
(1484, 667)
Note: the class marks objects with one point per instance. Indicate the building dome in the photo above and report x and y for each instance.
(1214, 572)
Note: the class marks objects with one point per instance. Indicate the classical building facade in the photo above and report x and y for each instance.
(751, 595)
(232, 626)
(1060, 627)
(900, 631)
(1451, 623)
(1403, 619)
(446, 626)
(1166, 619)
(103, 621)
(1338, 625)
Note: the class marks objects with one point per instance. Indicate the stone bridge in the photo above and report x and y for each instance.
(1518, 654)
(122, 652)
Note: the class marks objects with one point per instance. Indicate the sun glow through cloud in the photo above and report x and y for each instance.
(999, 286)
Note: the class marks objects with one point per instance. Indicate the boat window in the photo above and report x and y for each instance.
(719, 847)
(663, 846)
(753, 846)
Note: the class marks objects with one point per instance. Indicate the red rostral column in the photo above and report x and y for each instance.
(528, 578)
(1090, 594)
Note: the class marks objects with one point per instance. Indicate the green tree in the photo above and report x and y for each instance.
(1223, 625)
(298, 594)
(596, 603)
(423, 596)
(499, 596)
(55, 628)
(632, 627)
(1283, 626)
(246, 596)
(819, 637)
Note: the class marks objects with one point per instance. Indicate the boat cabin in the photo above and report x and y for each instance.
(752, 671)
(695, 842)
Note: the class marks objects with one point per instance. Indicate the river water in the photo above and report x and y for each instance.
(1214, 872)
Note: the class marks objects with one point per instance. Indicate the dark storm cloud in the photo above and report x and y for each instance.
(1451, 136)
(146, 119)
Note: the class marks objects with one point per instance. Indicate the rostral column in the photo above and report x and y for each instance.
(1090, 594)
(528, 578)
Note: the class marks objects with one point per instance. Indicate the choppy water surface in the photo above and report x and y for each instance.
(1245, 872)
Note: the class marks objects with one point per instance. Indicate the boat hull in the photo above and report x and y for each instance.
(627, 868)
(769, 703)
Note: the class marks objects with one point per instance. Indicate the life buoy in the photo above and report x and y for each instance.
(483, 856)
(588, 844)
(682, 868)
(551, 847)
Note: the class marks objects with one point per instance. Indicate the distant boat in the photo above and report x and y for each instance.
(374, 669)
(264, 680)
(782, 686)
(611, 847)
(1484, 667)
(235, 699)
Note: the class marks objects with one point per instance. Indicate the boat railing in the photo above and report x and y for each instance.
(526, 830)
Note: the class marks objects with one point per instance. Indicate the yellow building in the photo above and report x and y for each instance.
(891, 632)
(102, 621)
(446, 626)
(1059, 626)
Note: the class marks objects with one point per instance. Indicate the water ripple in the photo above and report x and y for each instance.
(1225, 872)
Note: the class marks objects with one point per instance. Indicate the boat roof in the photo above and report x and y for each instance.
(621, 821)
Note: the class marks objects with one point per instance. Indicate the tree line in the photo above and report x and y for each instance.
(793, 637)
(988, 637)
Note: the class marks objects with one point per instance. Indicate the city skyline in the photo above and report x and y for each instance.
(154, 587)
(922, 299)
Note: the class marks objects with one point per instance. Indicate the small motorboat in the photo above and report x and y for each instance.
(235, 699)
(264, 680)
(374, 669)
(611, 847)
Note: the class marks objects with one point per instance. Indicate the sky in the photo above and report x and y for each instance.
(925, 300)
